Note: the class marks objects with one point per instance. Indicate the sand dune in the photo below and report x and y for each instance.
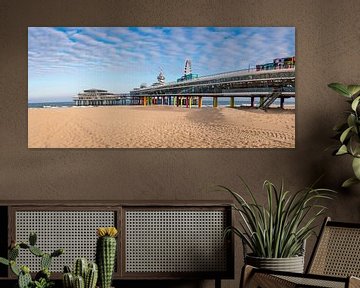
(160, 127)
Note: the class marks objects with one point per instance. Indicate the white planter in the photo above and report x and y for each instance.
(291, 264)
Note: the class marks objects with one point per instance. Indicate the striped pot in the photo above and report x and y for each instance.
(291, 264)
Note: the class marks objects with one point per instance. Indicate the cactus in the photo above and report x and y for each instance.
(57, 252)
(68, 280)
(13, 253)
(36, 251)
(42, 278)
(105, 254)
(79, 282)
(67, 269)
(91, 276)
(24, 280)
(32, 238)
(45, 261)
(90, 272)
(80, 268)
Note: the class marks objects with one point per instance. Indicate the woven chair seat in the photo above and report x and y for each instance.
(335, 262)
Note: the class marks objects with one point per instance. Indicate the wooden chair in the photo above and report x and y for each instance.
(334, 263)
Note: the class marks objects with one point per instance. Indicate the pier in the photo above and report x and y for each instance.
(265, 86)
(266, 83)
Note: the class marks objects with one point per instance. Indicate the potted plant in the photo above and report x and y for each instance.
(276, 233)
(349, 132)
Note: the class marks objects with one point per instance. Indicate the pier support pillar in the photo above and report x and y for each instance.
(187, 101)
(200, 102)
(262, 99)
(190, 103)
(252, 101)
(282, 101)
(232, 102)
(215, 101)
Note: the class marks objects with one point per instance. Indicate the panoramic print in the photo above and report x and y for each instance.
(161, 87)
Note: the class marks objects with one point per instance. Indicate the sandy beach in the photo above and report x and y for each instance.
(160, 127)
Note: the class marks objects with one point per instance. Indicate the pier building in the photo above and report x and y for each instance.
(98, 97)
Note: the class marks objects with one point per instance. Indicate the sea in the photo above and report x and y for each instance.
(207, 102)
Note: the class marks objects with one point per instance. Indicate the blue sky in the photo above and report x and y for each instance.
(63, 61)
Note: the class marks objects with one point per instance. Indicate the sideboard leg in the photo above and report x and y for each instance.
(217, 283)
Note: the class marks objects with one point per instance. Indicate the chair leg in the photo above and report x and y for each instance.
(246, 274)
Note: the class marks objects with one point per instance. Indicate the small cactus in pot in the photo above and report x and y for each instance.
(85, 275)
(106, 254)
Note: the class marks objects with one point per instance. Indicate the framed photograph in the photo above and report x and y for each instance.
(161, 87)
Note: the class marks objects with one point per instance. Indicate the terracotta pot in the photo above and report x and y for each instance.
(291, 264)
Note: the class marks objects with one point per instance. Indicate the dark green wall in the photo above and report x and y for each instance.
(327, 50)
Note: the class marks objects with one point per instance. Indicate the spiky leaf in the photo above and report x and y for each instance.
(341, 89)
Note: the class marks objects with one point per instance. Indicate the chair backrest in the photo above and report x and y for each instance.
(337, 251)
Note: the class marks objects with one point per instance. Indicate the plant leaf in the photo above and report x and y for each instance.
(349, 182)
(356, 167)
(355, 103)
(354, 145)
(345, 134)
(342, 150)
(353, 89)
(4, 261)
(340, 88)
(351, 120)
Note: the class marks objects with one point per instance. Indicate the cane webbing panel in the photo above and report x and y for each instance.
(74, 231)
(313, 282)
(338, 252)
(175, 241)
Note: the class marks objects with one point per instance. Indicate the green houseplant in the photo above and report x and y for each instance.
(348, 132)
(275, 233)
(42, 278)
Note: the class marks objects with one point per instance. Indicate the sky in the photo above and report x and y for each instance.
(63, 61)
